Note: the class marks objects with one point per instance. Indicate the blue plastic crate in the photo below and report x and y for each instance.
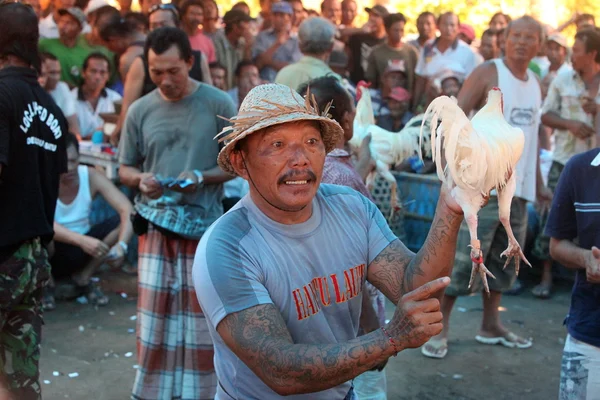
(418, 196)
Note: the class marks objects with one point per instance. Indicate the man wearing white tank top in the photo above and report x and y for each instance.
(522, 105)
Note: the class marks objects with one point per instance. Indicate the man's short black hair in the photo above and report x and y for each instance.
(161, 40)
(95, 56)
(186, 4)
(531, 20)
(391, 19)
(426, 14)
(117, 27)
(45, 56)
(591, 39)
(241, 65)
(326, 89)
(217, 65)
(20, 33)
(490, 32)
(585, 17)
(448, 14)
(138, 21)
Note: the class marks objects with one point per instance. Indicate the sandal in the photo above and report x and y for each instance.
(542, 291)
(509, 340)
(48, 301)
(94, 294)
(435, 348)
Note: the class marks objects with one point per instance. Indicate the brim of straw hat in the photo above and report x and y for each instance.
(331, 133)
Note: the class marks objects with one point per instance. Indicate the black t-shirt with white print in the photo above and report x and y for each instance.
(32, 154)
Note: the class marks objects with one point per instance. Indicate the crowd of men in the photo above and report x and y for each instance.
(172, 77)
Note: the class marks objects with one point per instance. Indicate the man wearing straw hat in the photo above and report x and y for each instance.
(280, 276)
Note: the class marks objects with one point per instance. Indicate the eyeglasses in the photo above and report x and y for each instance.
(166, 7)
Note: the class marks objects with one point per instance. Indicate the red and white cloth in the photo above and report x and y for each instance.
(175, 351)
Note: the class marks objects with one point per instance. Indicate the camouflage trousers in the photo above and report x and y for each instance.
(22, 278)
(541, 246)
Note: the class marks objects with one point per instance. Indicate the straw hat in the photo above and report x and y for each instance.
(274, 104)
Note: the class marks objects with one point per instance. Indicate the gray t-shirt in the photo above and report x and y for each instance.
(312, 272)
(289, 52)
(168, 138)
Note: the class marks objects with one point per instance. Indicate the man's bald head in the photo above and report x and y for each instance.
(527, 20)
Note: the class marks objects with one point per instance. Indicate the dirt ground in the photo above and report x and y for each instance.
(99, 345)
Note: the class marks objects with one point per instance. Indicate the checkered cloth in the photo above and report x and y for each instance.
(175, 352)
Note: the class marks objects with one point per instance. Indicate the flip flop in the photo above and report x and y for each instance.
(510, 341)
(439, 345)
(542, 291)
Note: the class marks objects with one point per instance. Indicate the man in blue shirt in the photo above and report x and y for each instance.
(575, 213)
(275, 48)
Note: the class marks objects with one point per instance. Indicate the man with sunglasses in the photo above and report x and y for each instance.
(32, 155)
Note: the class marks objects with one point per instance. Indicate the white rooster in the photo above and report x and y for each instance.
(387, 148)
(474, 157)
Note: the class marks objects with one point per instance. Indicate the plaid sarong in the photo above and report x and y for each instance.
(175, 352)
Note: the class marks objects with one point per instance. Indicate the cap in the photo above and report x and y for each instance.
(378, 9)
(93, 5)
(75, 13)
(282, 7)
(399, 94)
(468, 31)
(395, 66)
(233, 16)
(558, 38)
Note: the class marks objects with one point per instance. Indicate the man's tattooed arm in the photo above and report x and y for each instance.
(260, 338)
(397, 271)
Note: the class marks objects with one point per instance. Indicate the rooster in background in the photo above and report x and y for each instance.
(387, 148)
(474, 157)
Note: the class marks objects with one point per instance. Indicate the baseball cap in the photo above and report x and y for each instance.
(395, 66)
(93, 5)
(399, 94)
(378, 9)
(75, 12)
(233, 16)
(282, 7)
(559, 39)
(468, 31)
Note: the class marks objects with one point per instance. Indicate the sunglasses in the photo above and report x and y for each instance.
(166, 7)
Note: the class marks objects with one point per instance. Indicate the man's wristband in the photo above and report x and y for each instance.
(199, 176)
(123, 246)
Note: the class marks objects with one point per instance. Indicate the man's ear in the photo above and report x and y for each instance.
(237, 162)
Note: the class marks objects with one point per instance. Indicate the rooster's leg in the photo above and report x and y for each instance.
(478, 268)
(471, 207)
(505, 197)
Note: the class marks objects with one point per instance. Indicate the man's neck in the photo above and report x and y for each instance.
(12, 61)
(233, 38)
(555, 66)
(277, 215)
(209, 29)
(190, 30)
(424, 39)
(517, 68)
(68, 42)
(590, 72)
(89, 94)
(323, 57)
(395, 45)
(444, 44)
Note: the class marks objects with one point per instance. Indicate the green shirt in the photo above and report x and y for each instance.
(306, 69)
(379, 60)
(71, 58)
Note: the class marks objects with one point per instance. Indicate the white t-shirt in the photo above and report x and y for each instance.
(432, 61)
(89, 119)
(312, 272)
(64, 98)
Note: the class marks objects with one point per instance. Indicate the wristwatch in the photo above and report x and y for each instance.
(200, 177)
(123, 246)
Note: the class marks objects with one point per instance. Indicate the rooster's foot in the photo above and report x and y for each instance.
(479, 268)
(514, 252)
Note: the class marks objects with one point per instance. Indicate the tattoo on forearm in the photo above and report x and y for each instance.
(396, 270)
(260, 338)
